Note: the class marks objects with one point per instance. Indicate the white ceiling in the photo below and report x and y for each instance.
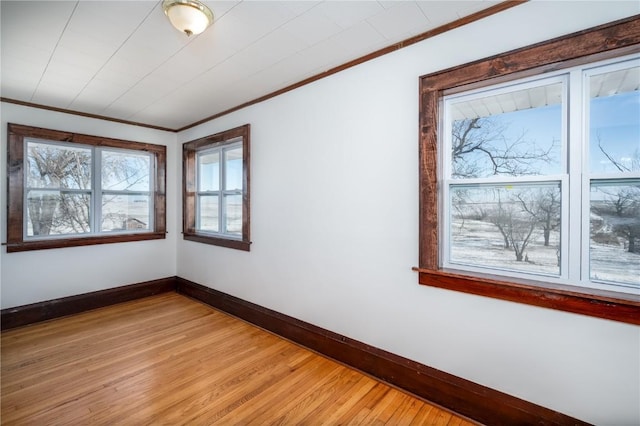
(123, 60)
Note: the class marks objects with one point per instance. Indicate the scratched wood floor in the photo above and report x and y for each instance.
(169, 360)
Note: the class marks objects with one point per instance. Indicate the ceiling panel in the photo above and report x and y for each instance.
(401, 21)
(118, 19)
(312, 27)
(358, 40)
(349, 13)
(268, 51)
(205, 51)
(440, 12)
(123, 60)
(249, 21)
(96, 95)
(284, 73)
(35, 23)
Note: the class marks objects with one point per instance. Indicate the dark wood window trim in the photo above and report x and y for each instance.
(189, 188)
(15, 192)
(603, 42)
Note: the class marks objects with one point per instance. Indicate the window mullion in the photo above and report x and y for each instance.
(197, 191)
(578, 180)
(96, 191)
(25, 192)
(150, 192)
(569, 261)
(223, 185)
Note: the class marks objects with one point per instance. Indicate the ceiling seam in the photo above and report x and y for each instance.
(54, 50)
(110, 58)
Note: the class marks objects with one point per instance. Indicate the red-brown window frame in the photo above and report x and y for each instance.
(189, 150)
(603, 42)
(15, 191)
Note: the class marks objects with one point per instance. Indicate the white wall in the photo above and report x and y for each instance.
(335, 230)
(335, 224)
(34, 276)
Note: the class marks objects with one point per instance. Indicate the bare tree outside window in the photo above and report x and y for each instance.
(466, 245)
(515, 223)
(620, 207)
(545, 209)
(499, 226)
(69, 189)
(60, 190)
(482, 148)
(506, 204)
(615, 232)
(59, 178)
(507, 225)
(614, 153)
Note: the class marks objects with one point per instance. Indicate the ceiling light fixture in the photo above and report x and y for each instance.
(188, 16)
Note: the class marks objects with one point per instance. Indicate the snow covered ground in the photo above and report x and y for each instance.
(479, 243)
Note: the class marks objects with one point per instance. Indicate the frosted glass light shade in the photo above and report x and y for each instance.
(188, 16)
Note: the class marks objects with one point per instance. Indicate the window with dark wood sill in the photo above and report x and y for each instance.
(216, 189)
(537, 196)
(68, 189)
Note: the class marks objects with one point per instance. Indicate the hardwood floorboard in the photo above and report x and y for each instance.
(408, 411)
(167, 359)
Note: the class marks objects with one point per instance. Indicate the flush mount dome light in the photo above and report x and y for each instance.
(188, 16)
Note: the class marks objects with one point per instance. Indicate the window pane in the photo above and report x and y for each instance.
(125, 212)
(614, 121)
(209, 171)
(208, 218)
(513, 227)
(58, 166)
(615, 232)
(124, 171)
(516, 133)
(233, 169)
(233, 214)
(54, 212)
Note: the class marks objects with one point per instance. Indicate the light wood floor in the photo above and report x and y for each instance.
(170, 360)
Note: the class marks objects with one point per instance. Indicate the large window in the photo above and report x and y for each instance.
(537, 195)
(510, 154)
(216, 189)
(69, 189)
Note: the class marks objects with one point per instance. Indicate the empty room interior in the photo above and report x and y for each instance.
(320, 212)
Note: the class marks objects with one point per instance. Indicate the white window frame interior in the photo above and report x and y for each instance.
(148, 193)
(95, 191)
(221, 149)
(587, 177)
(574, 183)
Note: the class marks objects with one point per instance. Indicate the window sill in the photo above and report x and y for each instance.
(81, 241)
(217, 241)
(598, 303)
